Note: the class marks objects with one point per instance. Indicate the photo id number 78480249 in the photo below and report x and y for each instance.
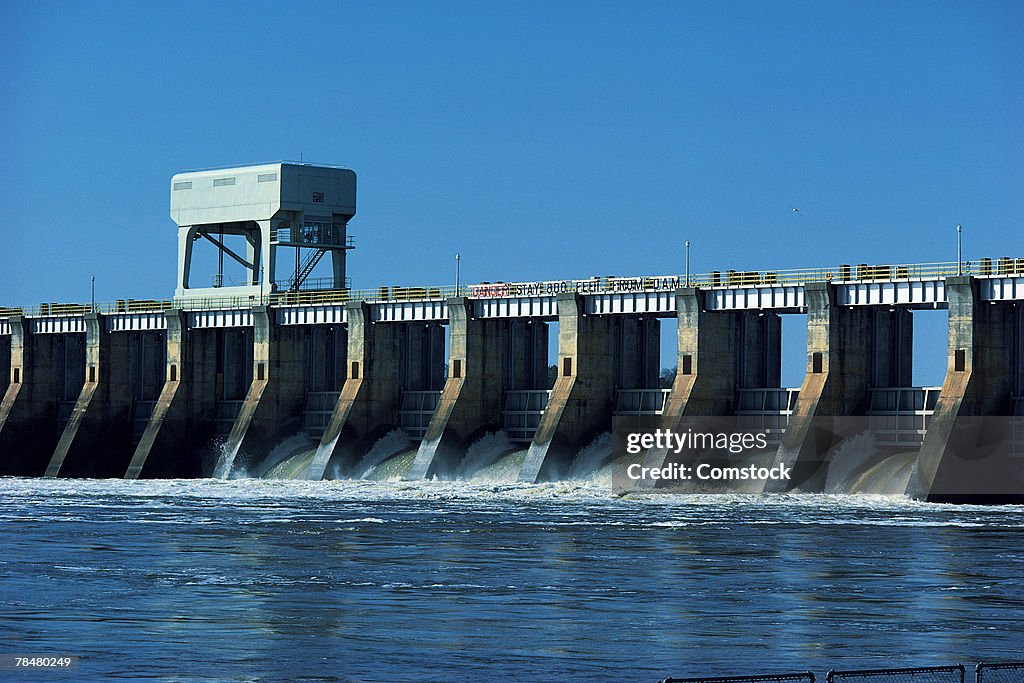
(10, 662)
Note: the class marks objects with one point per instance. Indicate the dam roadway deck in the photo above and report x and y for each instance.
(153, 372)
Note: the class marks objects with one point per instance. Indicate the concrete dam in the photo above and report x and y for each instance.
(276, 371)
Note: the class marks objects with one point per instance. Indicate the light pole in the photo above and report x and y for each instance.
(959, 250)
(94, 292)
(458, 257)
(687, 263)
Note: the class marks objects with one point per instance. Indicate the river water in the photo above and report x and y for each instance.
(389, 581)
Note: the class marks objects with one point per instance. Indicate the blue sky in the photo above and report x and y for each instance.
(540, 140)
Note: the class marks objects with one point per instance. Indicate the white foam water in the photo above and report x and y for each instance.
(392, 469)
(286, 458)
(388, 445)
(591, 457)
(504, 470)
(484, 452)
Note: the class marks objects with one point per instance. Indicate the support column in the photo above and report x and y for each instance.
(718, 353)
(182, 418)
(5, 363)
(273, 404)
(96, 441)
(369, 399)
(28, 413)
(965, 457)
(471, 400)
(849, 350)
(581, 400)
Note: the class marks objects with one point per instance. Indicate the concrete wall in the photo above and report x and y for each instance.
(182, 424)
(849, 350)
(368, 405)
(96, 440)
(5, 363)
(580, 405)
(272, 408)
(718, 352)
(485, 358)
(965, 456)
(45, 370)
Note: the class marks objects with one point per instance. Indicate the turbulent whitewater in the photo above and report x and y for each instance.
(254, 579)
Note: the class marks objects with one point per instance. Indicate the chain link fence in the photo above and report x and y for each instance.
(996, 672)
(924, 674)
(1002, 672)
(802, 677)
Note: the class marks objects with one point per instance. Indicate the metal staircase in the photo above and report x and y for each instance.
(306, 267)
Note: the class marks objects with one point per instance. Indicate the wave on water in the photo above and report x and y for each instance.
(292, 467)
(392, 469)
(387, 446)
(289, 459)
(591, 457)
(207, 501)
(484, 452)
(504, 470)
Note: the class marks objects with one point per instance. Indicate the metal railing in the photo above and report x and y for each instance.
(999, 672)
(984, 672)
(805, 676)
(415, 409)
(843, 273)
(924, 674)
(610, 284)
(766, 410)
(311, 284)
(640, 401)
(378, 295)
(900, 415)
(319, 408)
(58, 309)
(522, 411)
(310, 237)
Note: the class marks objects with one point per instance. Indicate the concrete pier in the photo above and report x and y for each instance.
(273, 404)
(383, 359)
(182, 420)
(849, 350)
(5, 363)
(718, 353)
(581, 401)
(96, 441)
(965, 457)
(485, 357)
(47, 371)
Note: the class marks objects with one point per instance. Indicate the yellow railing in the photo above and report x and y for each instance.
(862, 272)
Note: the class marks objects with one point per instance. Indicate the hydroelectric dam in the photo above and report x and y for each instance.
(212, 381)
